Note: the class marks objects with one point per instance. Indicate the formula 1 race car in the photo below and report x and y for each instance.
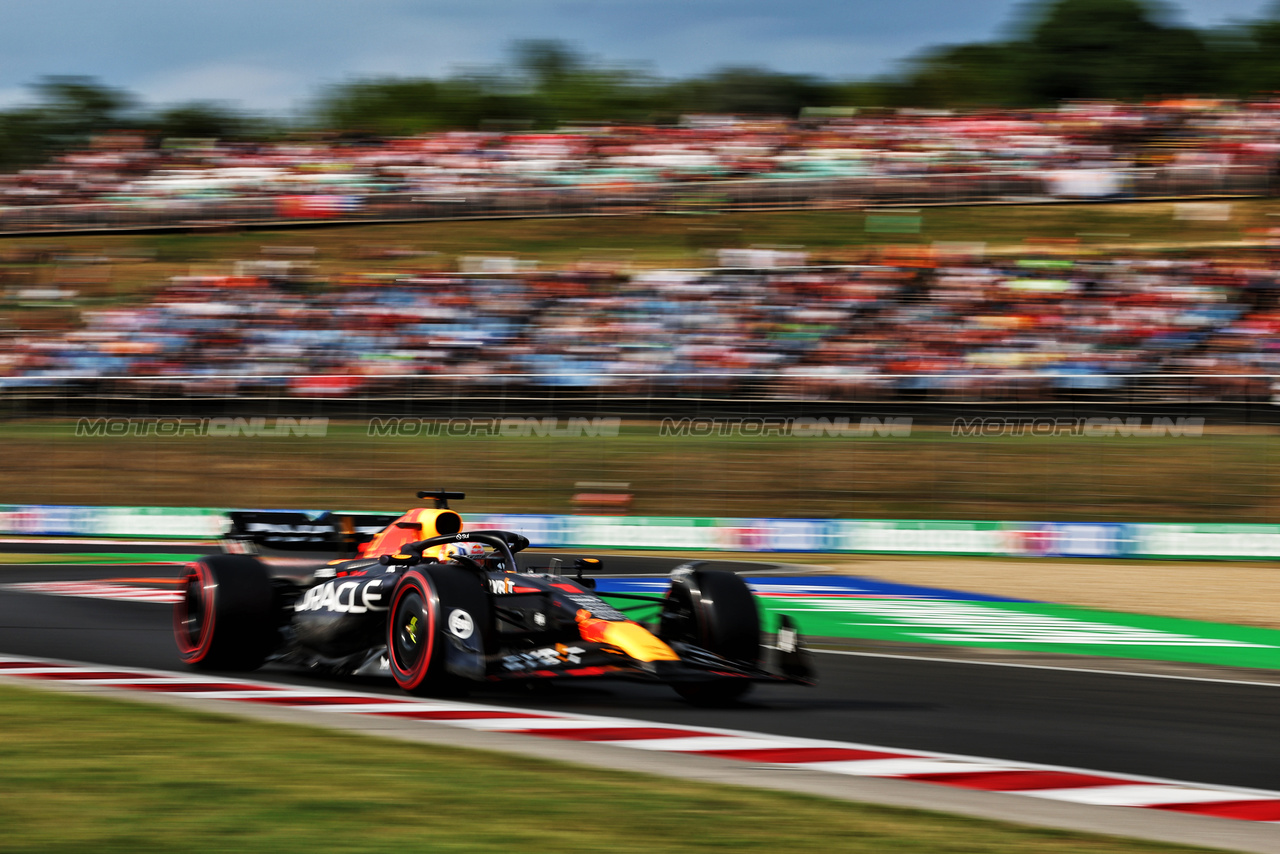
(440, 610)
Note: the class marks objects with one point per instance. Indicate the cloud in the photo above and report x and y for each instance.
(275, 54)
(246, 85)
(12, 96)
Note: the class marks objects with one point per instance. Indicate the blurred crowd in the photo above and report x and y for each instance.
(322, 177)
(949, 328)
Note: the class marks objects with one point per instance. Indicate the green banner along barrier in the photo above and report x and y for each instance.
(1034, 627)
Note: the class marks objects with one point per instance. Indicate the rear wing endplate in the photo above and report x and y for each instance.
(327, 531)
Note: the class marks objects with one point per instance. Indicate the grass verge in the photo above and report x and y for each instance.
(87, 774)
(930, 475)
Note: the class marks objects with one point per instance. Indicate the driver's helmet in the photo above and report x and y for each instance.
(475, 551)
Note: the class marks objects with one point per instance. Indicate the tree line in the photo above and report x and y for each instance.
(1056, 50)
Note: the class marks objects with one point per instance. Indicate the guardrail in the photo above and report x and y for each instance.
(797, 390)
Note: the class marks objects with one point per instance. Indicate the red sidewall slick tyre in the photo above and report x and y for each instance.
(411, 633)
(226, 618)
(194, 615)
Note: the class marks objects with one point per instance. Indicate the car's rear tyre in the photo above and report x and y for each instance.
(225, 619)
(428, 605)
(714, 610)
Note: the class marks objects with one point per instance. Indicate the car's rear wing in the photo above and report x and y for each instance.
(331, 532)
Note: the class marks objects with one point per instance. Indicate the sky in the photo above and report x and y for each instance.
(273, 56)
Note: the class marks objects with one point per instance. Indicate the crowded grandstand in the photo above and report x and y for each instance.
(1078, 150)
(953, 328)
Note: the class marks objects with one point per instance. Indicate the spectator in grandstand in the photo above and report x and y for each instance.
(965, 329)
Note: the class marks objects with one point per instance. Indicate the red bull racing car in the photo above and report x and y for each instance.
(440, 609)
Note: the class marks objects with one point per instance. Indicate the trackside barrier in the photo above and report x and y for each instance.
(849, 536)
(47, 520)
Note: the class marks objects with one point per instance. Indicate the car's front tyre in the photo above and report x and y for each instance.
(717, 611)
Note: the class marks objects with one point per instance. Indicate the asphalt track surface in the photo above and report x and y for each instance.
(1201, 731)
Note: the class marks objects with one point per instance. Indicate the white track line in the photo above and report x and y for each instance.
(1139, 795)
(1091, 670)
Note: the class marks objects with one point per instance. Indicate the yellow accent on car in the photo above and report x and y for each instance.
(637, 641)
